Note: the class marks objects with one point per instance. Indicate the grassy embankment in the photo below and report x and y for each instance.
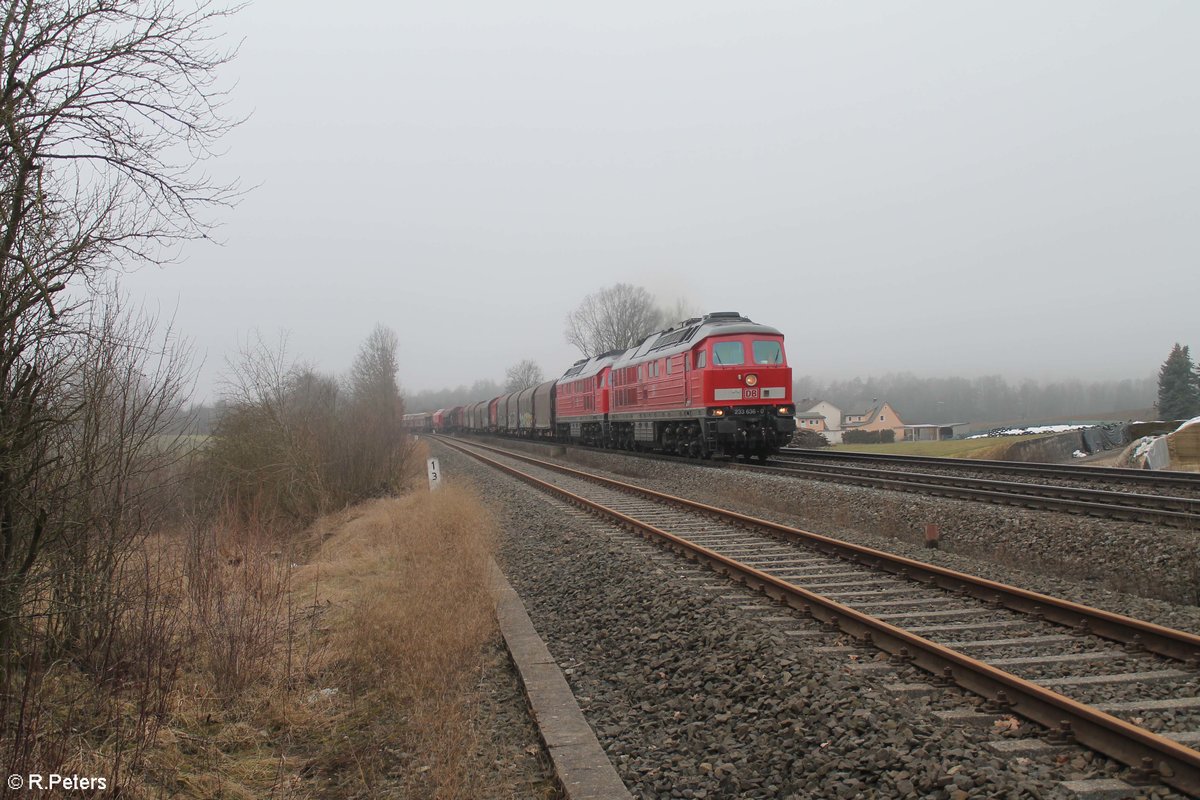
(374, 686)
(992, 448)
(355, 662)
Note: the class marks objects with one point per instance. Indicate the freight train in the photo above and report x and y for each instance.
(717, 385)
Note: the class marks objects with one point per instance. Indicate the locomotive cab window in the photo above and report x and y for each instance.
(728, 354)
(767, 352)
(701, 359)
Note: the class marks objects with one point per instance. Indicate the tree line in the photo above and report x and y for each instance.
(990, 398)
(620, 316)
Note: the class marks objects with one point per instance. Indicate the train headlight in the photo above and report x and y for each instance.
(718, 412)
(785, 409)
(751, 380)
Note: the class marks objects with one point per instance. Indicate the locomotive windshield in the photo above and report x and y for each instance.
(767, 353)
(728, 354)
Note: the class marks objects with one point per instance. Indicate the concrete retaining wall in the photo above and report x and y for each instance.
(583, 769)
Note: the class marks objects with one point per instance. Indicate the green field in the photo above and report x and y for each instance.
(948, 448)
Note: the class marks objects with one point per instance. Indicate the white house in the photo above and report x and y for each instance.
(833, 420)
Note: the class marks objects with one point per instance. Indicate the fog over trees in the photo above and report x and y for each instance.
(990, 398)
(621, 315)
(433, 399)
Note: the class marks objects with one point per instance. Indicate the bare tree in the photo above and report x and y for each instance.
(680, 310)
(522, 375)
(615, 318)
(117, 469)
(373, 373)
(373, 443)
(269, 447)
(292, 443)
(108, 109)
(96, 472)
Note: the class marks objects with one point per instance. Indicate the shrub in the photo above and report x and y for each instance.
(887, 436)
(810, 440)
(292, 444)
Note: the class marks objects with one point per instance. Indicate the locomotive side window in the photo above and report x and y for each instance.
(768, 353)
(701, 359)
(728, 354)
(668, 366)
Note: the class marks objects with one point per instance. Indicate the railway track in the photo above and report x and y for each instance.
(1180, 512)
(1121, 686)
(1155, 509)
(1156, 479)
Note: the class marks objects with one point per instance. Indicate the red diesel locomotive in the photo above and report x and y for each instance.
(717, 385)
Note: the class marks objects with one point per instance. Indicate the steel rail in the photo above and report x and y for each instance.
(1190, 480)
(1183, 512)
(1176, 764)
(1168, 642)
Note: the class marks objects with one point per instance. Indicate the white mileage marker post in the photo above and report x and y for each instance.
(435, 474)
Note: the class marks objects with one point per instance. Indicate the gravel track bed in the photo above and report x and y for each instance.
(1127, 567)
(1137, 691)
(1109, 666)
(849, 588)
(698, 688)
(1114, 484)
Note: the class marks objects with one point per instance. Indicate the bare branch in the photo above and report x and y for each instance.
(615, 318)
(522, 375)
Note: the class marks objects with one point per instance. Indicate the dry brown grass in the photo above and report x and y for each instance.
(377, 686)
(410, 581)
(356, 661)
(311, 680)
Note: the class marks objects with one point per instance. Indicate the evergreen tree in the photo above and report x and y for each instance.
(1178, 386)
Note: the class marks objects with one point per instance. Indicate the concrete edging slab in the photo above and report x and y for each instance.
(580, 764)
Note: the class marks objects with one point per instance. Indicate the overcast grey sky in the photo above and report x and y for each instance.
(935, 187)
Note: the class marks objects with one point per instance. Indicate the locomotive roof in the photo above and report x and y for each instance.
(588, 367)
(676, 339)
(687, 334)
